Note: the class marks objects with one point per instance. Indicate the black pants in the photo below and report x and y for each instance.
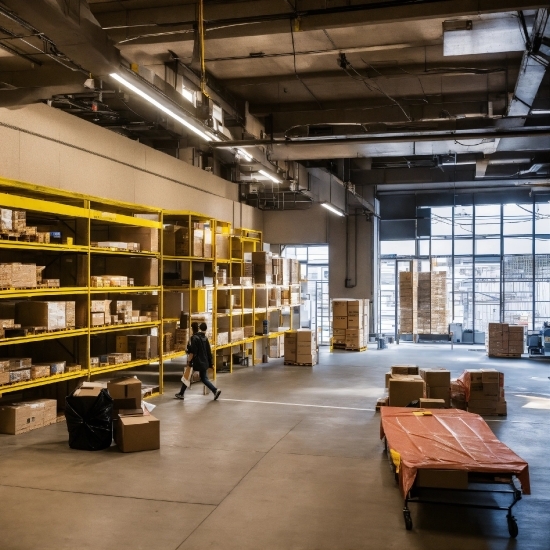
(204, 380)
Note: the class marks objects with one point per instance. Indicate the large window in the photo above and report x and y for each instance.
(497, 257)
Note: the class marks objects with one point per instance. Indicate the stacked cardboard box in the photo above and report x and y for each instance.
(408, 288)
(505, 340)
(181, 338)
(294, 272)
(276, 347)
(438, 301)
(350, 323)
(198, 239)
(424, 307)
(438, 384)
(300, 347)
(405, 388)
(399, 370)
(485, 391)
(263, 267)
(277, 270)
(23, 417)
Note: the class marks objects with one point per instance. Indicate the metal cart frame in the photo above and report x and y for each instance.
(474, 478)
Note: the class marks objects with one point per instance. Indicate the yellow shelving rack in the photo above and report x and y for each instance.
(173, 285)
(76, 216)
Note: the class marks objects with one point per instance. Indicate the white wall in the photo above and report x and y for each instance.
(296, 226)
(317, 226)
(45, 146)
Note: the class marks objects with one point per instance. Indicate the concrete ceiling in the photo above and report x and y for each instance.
(365, 77)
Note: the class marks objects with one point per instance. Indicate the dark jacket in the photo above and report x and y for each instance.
(199, 346)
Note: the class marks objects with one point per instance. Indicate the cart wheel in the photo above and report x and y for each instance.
(512, 526)
(408, 520)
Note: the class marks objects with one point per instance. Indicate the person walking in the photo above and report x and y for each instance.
(200, 359)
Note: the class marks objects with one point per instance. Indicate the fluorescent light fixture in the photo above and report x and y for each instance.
(540, 111)
(162, 108)
(244, 154)
(269, 176)
(187, 94)
(332, 208)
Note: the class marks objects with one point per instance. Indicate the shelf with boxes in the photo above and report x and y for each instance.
(52, 273)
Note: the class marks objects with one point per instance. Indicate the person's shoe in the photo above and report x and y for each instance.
(217, 394)
(178, 396)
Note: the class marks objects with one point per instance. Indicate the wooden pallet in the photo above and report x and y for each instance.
(294, 364)
(505, 355)
(357, 349)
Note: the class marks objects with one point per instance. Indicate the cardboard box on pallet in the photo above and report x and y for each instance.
(51, 315)
(23, 275)
(339, 308)
(146, 237)
(404, 369)
(355, 339)
(339, 335)
(432, 403)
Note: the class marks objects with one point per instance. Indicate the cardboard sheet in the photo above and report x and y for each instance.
(446, 439)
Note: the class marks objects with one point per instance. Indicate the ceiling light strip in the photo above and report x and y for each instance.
(333, 209)
(269, 176)
(158, 105)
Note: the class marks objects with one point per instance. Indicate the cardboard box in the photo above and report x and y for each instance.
(51, 315)
(147, 237)
(436, 377)
(20, 418)
(97, 319)
(23, 275)
(405, 389)
(355, 321)
(475, 376)
(440, 392)
(340, 308)
(100, 306)
(429, 403)
(404, 369)
(489, 376)
(137, 433)
(340, 322)
(442, 479)
(126, 392)
(339, 335)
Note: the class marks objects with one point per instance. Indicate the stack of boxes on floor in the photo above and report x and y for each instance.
(438, 385)
(404, 386)
(127, 418)
(300, 347)
(408, 383)
(350, 324)
(408, 301)
(424, 294)
(483, 391)
(505, 340)
(423, 302)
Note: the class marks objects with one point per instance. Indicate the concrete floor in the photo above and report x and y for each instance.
(289, 457)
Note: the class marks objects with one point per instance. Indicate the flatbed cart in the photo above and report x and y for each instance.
(451, 457)
(481, 483)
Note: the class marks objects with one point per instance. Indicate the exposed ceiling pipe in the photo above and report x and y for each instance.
(532, 70)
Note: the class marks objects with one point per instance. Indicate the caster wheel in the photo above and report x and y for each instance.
(512, 526)
(408, 520)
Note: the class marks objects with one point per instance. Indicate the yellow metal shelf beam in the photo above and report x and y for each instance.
(123, 289)
(18, 386)
(37, 205)
(144, 254)
(124, 326)
(31, 292)
(44, 336)
(112, 217)
(122, 366)
(43, 246)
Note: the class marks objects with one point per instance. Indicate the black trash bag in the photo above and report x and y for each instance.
(89, 421)
(414, 404)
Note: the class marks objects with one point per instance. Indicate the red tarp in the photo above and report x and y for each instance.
(448, 439)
